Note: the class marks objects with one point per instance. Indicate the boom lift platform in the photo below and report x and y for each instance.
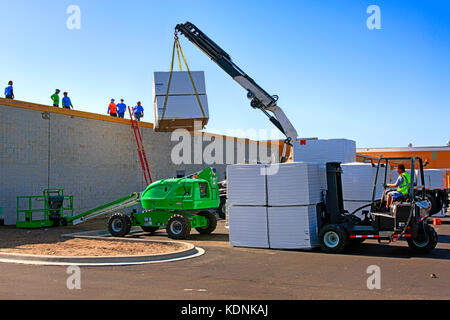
(54, 209)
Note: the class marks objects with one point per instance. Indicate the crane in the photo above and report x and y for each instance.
(260, 99)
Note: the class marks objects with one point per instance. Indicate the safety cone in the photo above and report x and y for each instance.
(437, 222)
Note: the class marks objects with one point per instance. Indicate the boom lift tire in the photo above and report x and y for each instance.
(221, 210)
(178, 227)
(119, 225)
(426, 242)
(333, 239)
(150, 230)
(212, 223)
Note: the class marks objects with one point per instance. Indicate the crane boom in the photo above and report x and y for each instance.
(260, 99)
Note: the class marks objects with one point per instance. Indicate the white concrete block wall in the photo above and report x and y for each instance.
(94, 160)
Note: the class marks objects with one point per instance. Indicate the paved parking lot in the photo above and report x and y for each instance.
(230, 273)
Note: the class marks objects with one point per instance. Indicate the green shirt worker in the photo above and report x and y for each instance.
(55, 98)
(402, 184)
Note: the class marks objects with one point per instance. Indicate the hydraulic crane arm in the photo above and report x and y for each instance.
(260, 99)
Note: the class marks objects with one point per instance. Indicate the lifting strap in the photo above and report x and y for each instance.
(177, 46)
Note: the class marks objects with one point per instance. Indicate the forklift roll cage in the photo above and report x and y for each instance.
(413, 184)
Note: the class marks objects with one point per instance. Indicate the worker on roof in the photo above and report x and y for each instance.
(402, 184)
(139, 111)
(112, 108)
(9, 91)
(66, 102)
(121, 107)
(55, 98)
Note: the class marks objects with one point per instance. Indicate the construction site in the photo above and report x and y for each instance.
(247, 219)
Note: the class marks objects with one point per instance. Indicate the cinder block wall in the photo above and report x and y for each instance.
(92, 157)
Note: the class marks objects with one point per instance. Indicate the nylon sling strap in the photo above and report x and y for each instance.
(177, 46)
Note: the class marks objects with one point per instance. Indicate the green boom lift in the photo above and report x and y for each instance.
(175, 204)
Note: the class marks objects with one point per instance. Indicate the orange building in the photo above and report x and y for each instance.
(438, 157)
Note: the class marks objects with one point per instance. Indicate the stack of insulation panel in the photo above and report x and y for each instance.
(183, 107)
(322, 151)
(357, 185)
(274, 206)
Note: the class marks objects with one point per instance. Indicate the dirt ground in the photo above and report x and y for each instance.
(49, 242)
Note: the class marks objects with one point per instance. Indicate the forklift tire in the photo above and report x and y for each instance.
(424, 244)
(333, 239)
(434, 204)
(150, 230)
(178, 227)
(212, 223)
(119, 225)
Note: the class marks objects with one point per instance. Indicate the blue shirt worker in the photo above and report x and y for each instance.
(66, 102)
(121, 107)
(9, 92)
(139, 111)
(402, 184)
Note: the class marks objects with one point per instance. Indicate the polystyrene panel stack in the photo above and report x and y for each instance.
(434, 178)
(322, 151)
(285, 195)
(182, 107)
(293, 227)
(248, 226)
(247, 205)
(357, 181)
(357, 185)
(247, 185)
(294, 184)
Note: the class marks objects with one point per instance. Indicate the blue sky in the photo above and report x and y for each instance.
(335, 77)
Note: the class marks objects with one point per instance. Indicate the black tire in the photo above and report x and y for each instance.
(424, 243)
(150, 230)
(434, 204)
(333, 239)
(221, 210)
(119, 225)
(63, 222)
(212, 223)
(178, 227)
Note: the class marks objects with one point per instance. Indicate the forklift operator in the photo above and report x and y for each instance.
(402, 184)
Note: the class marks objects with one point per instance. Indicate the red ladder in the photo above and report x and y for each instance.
(140, 146)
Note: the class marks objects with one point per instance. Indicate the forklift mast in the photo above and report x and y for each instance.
(335, 199)
(260, 99)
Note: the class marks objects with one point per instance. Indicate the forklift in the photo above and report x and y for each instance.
(406, 218)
